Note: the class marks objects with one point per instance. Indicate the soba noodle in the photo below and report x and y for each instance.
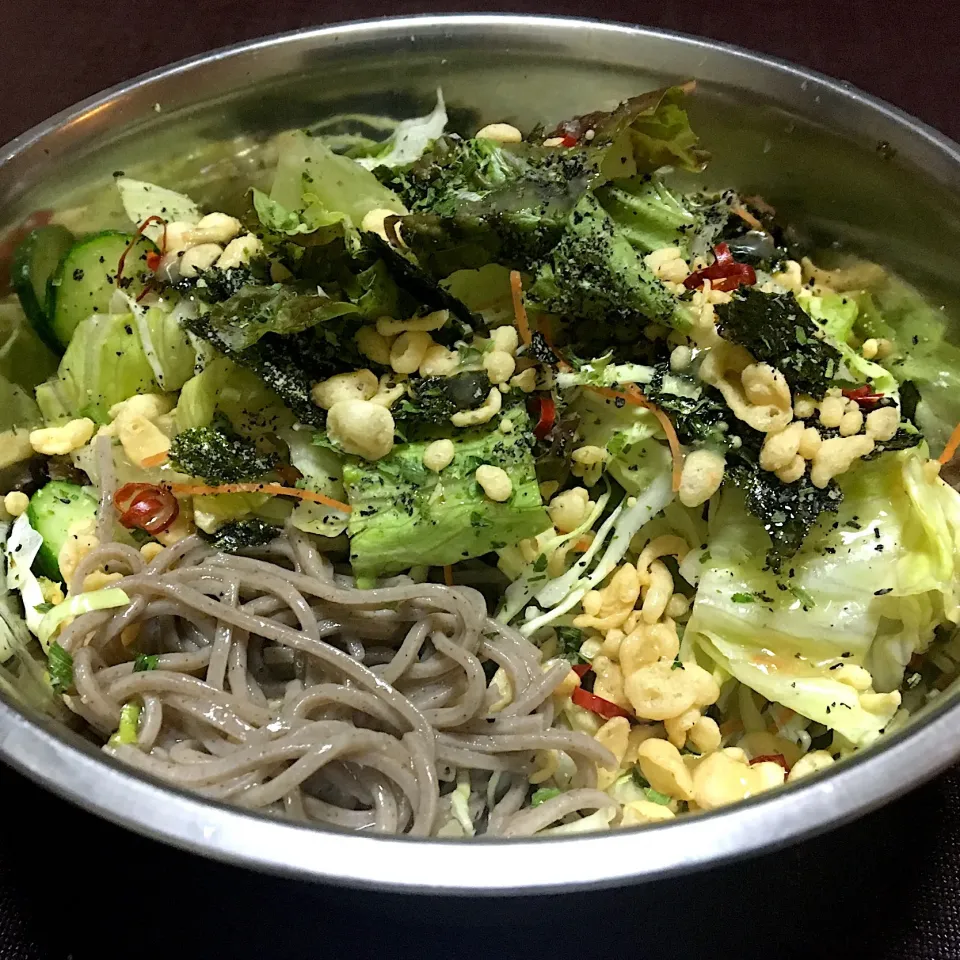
(281, 686)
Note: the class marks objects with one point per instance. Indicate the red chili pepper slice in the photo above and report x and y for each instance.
(124, 496)
(724, 273)
(137, 234)
(597, 705)
(146, 506)
(581, 669)
(547, 416)
(772, 758)
(864, 396)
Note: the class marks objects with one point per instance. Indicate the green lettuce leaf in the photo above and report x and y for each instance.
(478, 201)
(322, 470)
(649, 215)
(323, 187)
(253, 312)
(924, 355)
(644, 133)
(404, 514)
(883, 571)
(625, 433)
(114, 356)
(278, 218)
(222, 388)
(595, 275)
(837, 314)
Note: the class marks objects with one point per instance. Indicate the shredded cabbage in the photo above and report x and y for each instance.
(563, 594)
(142, 200)
(868, 588)
(410, 139)
(322, 471)
(603, 373)
(21, 550)
(74, 606)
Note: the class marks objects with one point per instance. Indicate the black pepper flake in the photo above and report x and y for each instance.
(883, 592)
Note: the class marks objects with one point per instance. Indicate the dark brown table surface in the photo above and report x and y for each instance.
(886, 887)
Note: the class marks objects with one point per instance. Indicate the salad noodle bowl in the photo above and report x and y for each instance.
(568, 465)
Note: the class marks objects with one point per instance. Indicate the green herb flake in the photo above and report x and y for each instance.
(544, 794)
(129, 725)
(655, 796)
(145, 661)
(569, 641)
(743, 598)
(60, 667)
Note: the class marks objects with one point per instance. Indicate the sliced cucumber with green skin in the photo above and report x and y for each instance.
(87, 278)
(53, 510)
(34, 265)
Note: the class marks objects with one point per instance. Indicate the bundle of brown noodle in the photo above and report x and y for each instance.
(283, 687)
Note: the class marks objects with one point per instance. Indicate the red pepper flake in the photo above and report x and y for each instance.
(772, 758)
(137, 234)
(146, 506)
(597, 705)
(724, 273)
(581, 669)
(569, 140)
(545, 408)
(864, 396)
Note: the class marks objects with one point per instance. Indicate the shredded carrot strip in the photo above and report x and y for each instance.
(747, 217)
(274, 489)
(583, 544)
(519, 310)
(782, 715)
(155, 460)
(730, 726)
(448, 575)
(950, 450)
(633, 395)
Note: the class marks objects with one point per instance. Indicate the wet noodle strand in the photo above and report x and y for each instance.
(280, 686)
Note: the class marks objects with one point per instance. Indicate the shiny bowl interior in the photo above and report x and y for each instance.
(843, 165)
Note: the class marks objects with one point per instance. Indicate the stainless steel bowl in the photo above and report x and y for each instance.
(828, 156)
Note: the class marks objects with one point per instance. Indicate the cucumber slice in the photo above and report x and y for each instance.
(53, 510)
(34, 264)
(24, 357)
(87, 278)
